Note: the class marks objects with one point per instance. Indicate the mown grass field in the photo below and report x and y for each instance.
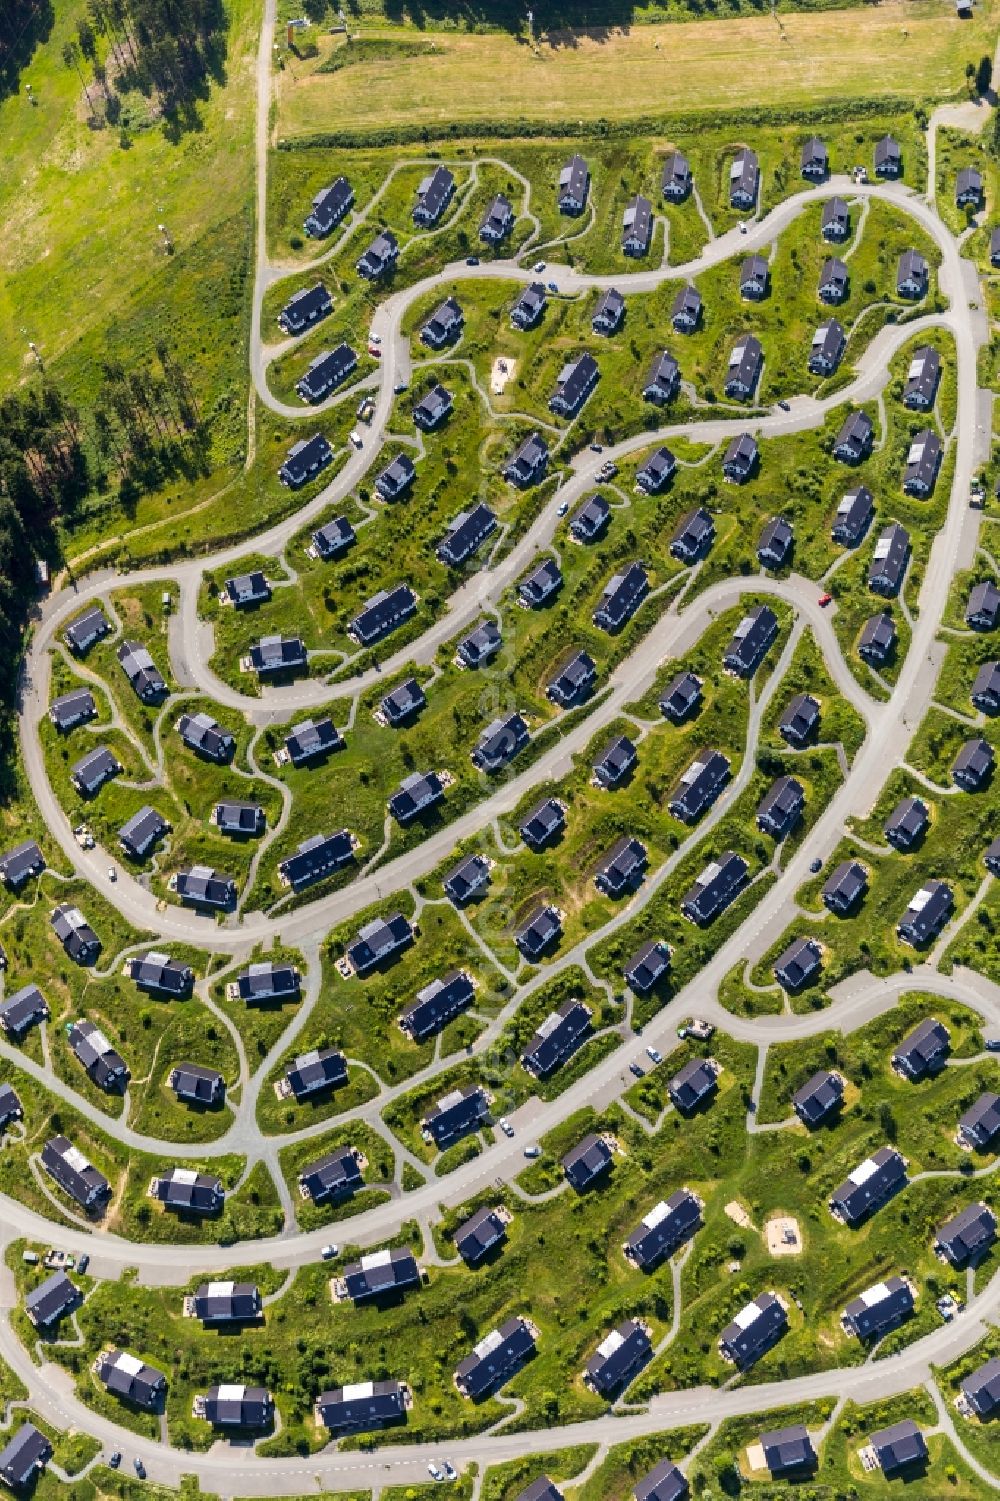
(807, 59)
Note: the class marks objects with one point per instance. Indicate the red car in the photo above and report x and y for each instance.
(825, 599)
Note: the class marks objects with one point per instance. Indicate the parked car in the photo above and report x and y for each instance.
(83, 1263)
(538, 267)
(815, 865)
(634, 1068)
(824, 600)
(655, 1054)
(505, 1126)
(139, 1467)
(562, 508)
(329, 1252)
(533, 1151)
(449, 1469)
(114, 1459)
(434, 1472)
(472, 260)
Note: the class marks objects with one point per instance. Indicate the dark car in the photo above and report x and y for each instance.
(815, 865)
(115, 1459)
(472, 260)
(139, 1467)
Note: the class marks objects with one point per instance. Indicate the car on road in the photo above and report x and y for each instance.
(375, 339)
(553, 286)
(139, 1467)
(449, 1469)
(533, 1151)
(83, 1263)
(399, 387)
(655, 1054)
(114, 1459)
(112, 873)
(365, 410)
(743, 228)
(597, 447)
(434, 1472)
(815, 865)
(562, 508)
(608, 470)
(374, 351)
(784, 406)
(634, 1068)
(824, 600)
(357, 439)
(472, 260)
(538, 267)
(330, 1251)
(505, 1126)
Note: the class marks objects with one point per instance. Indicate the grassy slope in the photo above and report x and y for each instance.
(622, 74)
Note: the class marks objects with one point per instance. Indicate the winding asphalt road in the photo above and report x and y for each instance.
(890, 727)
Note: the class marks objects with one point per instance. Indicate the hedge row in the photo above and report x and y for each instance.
(471, 130)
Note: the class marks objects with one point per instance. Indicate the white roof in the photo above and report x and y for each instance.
(549, 1024)
(455, 1097)
(920, 900)
(184, 1175)
(656, 1214)
(862, 1173)
(155, 957)
(376, 1258)
(130, 1364)
(709, 873)
(220, 1289)
(882, 547)
(747, 1316)
(915, 454)
(916, 367)
(875, 1294)
(231, 1393)
(693, 771)
(358, 1389)
(488, 1344)
(76, 1159)
(610, 1344)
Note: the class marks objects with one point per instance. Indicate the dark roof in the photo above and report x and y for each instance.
(574, 383)
(929, 909)
(495, 1358)
(621, 597)
(403, 701)
(573, 680)
(227, 1302)
(383, 613)
(855, 436)
(140, 669)
(854, 513)
(323, 374)
(362, 1405)
(305, 458)
(127, 1376)
(157, 971)
(24, 1455)
(665, 1482)
(589, 1159)
(968, 1235)
(715, 888)
(540, 583)
(542, 821)
(666, 1227)
(500, 742)
(71, 708)
(818, 1097)
(312, 738)
(693, 1083)
(277, 654)
(333, 537)
(466, 534)
(750, 640)
(51, 1299)
(396, 477)
(699, 786)
(879, 1308)
(925, 1047)
(656, 470)
(868, 1186)
(981, 1388)
(22, 1009)
(973, 763)
(239, 818)
(86, 629)
(558, 1035)
(433, 195)
(979, 1125)
(195, 1082)
(780, 806)
(455, 1114)
(745, 360)
(754, 1330)
(204, 887)
(377, 939)
(333, 1176)
(648, 964)
(188, 1191)
(615, 761)
(681, 695)
(380, 1272)
(468, 876)
(142, 830)
(622, 867)
(591, 518)
(618, 1358)
(480, 1233)
(415, 794)
(901, 1445)
(788, 1449)
(319, 1069)
(316, 857)
(231, 1406)
(798, 963)
(74, 1173)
